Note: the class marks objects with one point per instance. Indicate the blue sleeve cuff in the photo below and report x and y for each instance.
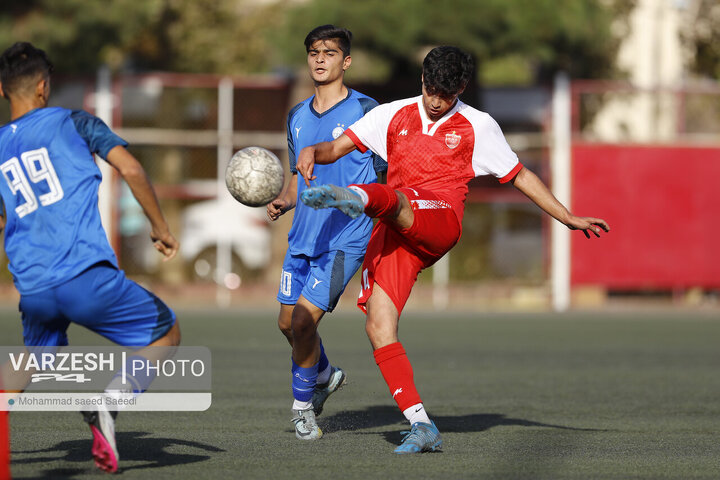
(96, 133)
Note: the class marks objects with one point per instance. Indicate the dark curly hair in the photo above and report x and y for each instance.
(21, 64)
(446, 70)
(330, 32)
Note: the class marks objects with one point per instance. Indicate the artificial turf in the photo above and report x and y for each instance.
(515, 396)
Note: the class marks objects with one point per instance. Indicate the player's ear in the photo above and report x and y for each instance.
(346, 62)
(2, 92)
(42, 88)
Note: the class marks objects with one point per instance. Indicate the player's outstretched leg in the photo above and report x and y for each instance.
(322, 392)
(306, 427)
(332, 196)
(102, 426)
(422, 437)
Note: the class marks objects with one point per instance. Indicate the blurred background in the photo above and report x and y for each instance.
(624, 94)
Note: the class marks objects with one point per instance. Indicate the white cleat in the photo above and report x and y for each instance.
(306, 428)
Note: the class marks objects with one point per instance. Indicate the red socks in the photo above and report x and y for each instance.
(382, 200)
(398, 374)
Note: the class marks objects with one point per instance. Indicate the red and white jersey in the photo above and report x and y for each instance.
(442, 156)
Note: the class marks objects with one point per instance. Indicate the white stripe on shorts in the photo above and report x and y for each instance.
(429, 204)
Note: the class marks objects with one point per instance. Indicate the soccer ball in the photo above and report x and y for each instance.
(254, 176)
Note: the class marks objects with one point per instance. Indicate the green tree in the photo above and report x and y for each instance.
(704, 40)
(222, 36)
(533, 39)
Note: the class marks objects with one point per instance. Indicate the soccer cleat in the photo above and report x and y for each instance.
(332, 196)
(422, 437)
(322, 392)
(104, 450)
(306, 428)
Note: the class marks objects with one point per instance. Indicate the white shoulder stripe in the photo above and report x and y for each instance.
(491, 153)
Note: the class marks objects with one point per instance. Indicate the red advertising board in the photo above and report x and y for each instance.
(663, 207)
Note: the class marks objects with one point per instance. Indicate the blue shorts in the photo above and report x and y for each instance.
(321, 279)
(101, 299)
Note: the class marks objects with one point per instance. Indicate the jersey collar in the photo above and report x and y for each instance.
(320, 115)
(428, 127)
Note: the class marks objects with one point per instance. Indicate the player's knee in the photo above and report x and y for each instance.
(404, 215)
(174, 335)
(302, 327)
(284, 322)
(285, 328)
(403, 203)
(379, 331)
(372, 327)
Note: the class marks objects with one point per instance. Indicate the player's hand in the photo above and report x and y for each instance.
(306, 164)
(587, 225)
(277, 208)
(165, 243)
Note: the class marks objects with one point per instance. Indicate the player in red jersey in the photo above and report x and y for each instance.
(434, 144)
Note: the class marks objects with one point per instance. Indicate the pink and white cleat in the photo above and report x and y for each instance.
(104, 450)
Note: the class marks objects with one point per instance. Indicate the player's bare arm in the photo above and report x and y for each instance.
(136, 178)
(529, 183)
(322, 153)
(285, 201)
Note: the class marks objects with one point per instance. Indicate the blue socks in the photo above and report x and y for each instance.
(139, 374)
(303, 381)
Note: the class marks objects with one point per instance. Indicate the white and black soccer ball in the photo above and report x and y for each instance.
(254, 176)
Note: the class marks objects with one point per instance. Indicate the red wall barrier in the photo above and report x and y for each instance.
(663, 207)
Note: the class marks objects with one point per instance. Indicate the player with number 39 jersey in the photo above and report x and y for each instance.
(59, 254)
(53, 230)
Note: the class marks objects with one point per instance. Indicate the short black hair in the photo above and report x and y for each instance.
(330, 32)
(20, 64)
(446, 70)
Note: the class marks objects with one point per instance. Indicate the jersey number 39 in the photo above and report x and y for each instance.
(39, 169)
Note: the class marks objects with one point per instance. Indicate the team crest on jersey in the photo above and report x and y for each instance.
(337, 131)
(452, 140)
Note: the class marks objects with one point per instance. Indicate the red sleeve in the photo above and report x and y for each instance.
(512, 173)
(355, 140)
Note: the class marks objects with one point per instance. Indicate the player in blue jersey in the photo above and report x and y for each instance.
(60, 258)
(326, 248)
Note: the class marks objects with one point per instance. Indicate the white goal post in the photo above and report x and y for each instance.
(560, 182)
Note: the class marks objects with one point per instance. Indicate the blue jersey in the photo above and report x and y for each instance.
(315, 232)
(49, 186)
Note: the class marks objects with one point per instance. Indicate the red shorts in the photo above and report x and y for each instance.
(396, 255)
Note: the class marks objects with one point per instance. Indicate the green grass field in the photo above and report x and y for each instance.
(617, 395)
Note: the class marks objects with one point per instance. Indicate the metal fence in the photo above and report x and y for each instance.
(184, 128)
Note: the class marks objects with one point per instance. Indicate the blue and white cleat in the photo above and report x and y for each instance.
(306, 428)
(322, 392)
(422, 437)
(332, 196)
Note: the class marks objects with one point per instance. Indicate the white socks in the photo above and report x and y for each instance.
(298, 405)
(416, 413)
(361, 193)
